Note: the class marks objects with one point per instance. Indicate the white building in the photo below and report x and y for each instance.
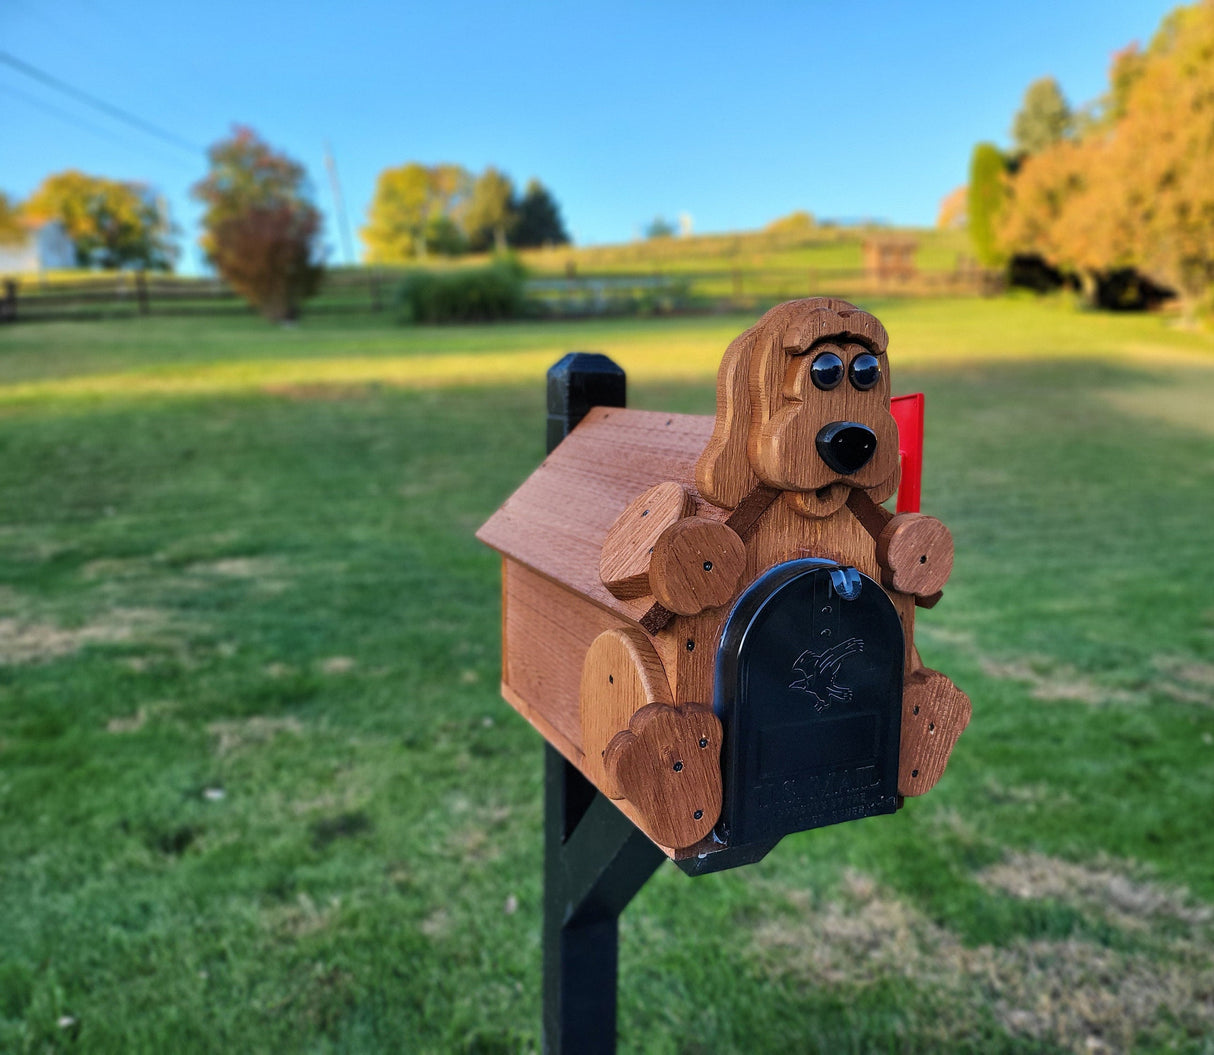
(44, 248)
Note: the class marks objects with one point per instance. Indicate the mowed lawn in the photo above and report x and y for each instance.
(258, 791)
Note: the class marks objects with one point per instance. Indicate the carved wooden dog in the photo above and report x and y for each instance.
(627, 549)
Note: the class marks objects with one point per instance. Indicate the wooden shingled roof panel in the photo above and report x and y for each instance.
(556, 521)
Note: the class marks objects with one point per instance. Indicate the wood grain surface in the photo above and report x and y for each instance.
(915, 553)
(697, 564)
(620, 675)
(668, 765)
(557, 520)
(628, 547)
(934, 714)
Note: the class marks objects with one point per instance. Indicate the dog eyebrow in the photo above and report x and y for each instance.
(793, 346)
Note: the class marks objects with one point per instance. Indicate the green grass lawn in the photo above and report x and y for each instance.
(258, 791)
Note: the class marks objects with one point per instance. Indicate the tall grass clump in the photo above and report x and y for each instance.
(481, 294)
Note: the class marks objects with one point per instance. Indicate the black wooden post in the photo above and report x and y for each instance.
(595, 859)
(8, 305)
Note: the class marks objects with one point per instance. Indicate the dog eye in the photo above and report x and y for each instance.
(826, 371)
(865, 372)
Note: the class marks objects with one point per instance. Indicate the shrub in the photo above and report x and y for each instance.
(480, 294)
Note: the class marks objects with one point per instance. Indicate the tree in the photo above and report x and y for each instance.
(659, 227)
(797, 223)
(539, 219)
(261, 229)
(491, 211)
(12, 229)
(1155, 173)
(407, 213)
(1138, 191)
(985, 198)
(112, 223)
(1044, 117)
(951, 216)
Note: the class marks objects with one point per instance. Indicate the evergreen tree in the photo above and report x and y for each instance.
(988, 168)
(539, 219)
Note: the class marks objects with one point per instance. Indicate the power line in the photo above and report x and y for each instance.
(115, 112)
(88, 126)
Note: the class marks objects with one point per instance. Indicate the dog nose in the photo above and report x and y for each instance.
(846, 446)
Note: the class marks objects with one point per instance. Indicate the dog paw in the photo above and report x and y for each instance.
(934, 714)
(668, 765)
(697, 565)
(915, 553)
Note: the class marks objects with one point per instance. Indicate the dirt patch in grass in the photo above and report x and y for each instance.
(1054, 681)
(337, 665)
(106, 568)
(237, 733)
(301, 918)
(438, 924)
(1187, 680)
(1128, 903)
(266, 573)
(132, 723)
(1074, 993)
(1045, 679)
(1031, 795)
(32, 641)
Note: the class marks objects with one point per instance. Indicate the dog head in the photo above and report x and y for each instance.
(803, 407)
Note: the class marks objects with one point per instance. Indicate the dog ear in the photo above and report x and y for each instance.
(723, 473)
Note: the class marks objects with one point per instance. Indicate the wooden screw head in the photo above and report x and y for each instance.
(697, 564)
(915, 553)
(624, 560)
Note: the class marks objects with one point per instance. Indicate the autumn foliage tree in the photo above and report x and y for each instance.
(12, 229)
(112, 223)
(1137, 189)
(261, 230)
(492, 211)
(417, 209)
(422, 209)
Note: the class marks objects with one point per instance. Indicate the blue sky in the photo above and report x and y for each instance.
(732, 112)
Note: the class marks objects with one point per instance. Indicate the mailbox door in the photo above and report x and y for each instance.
(809, 692)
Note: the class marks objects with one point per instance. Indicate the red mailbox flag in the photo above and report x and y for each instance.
(908, 413)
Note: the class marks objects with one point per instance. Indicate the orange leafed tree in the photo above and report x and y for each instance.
(952, 209)
(1138, 189)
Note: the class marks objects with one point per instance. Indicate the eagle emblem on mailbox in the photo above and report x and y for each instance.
(817, 673)
(713, 617)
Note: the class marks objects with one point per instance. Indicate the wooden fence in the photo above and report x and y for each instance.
(134, 293)
(358, 291)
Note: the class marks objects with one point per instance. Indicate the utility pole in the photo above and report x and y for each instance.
(343, 224)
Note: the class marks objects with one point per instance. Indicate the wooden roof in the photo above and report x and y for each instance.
(556, 521)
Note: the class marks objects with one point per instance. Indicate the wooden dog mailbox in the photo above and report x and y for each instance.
(712, 621)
